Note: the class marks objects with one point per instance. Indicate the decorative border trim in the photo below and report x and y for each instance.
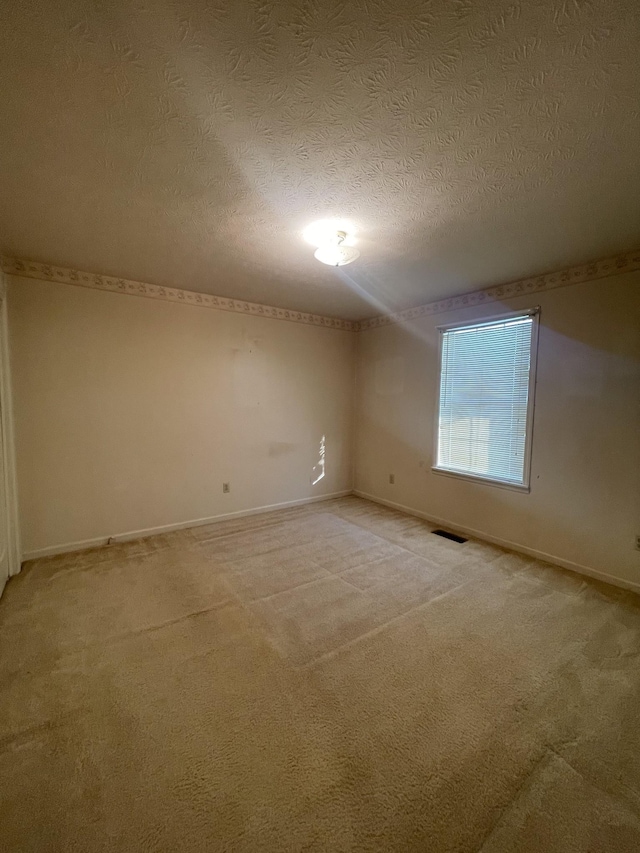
(573, 275)
(47, 272)
(628, 262)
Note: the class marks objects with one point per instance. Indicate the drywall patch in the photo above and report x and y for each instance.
(281, 448)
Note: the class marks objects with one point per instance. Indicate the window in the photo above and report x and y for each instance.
(486, 399)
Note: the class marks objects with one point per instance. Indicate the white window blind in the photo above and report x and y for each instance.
(484, 399)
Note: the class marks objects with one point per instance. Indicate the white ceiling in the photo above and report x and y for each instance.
(189, 143)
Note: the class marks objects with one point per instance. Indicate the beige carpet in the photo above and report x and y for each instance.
(330, 678)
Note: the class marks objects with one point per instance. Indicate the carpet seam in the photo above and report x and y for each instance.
(379, 629)
(302, 585)
(118, 638)
(6, 741)
(633, 800)
(546, 755)
(410, 550)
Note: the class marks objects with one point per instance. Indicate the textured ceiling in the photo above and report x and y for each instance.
(188, 144)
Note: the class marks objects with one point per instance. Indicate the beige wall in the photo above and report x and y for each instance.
(130, 413)
(584, 504)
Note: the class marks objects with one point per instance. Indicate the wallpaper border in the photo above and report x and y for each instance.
(63, 275)
(627, 262)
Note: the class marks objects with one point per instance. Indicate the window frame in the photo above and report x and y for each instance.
(525, 486)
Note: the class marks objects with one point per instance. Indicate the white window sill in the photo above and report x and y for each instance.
(483, 481)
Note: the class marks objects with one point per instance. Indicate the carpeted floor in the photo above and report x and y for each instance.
(327, 678)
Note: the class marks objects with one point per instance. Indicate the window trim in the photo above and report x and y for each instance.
(525, 486)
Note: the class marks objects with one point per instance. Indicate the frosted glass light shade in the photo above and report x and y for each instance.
(336, 255)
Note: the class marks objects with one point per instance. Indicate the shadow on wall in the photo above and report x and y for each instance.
(281, 448)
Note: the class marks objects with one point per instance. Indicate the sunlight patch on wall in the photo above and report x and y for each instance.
(318, 470)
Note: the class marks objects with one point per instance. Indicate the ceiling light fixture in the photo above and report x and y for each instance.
(336, 254)
(324, 231)
(334, 239)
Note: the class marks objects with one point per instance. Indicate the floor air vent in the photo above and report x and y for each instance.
(454, 537)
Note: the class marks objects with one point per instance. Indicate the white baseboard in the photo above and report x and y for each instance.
(442, 522)
(505, 543)
(81, 545)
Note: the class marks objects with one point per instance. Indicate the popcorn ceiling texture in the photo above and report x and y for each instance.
(188, 144)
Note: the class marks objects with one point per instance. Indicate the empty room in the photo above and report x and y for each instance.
(320, 426)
